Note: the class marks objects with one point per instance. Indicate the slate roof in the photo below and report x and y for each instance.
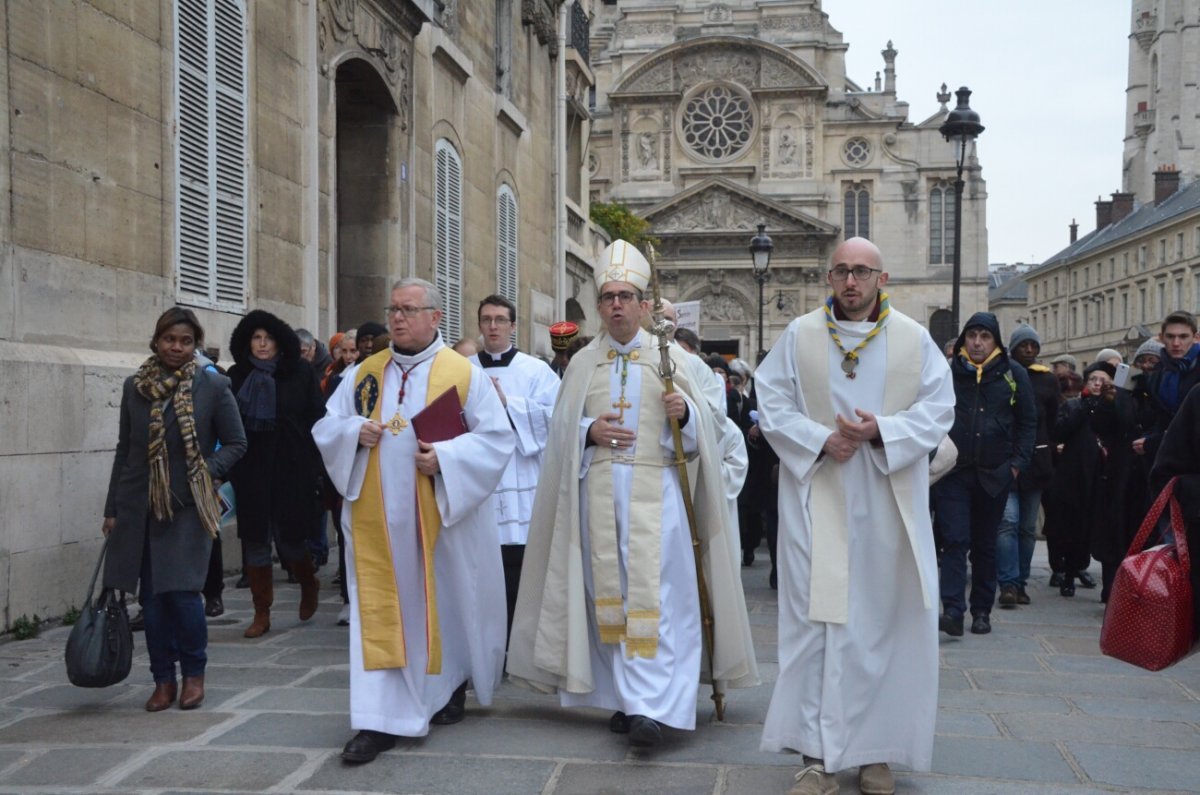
(1181, 202)
(1012, 289)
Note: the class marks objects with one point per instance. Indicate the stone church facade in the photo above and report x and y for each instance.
(227, 155)
(713, 117)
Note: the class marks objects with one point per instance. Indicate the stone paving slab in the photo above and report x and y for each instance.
(999, 703)
(112, 726)
(275, 730)
(559, 735)
(1115, 707)
(66, 767)
(255, 771)
(626, 778)
(1001, 759)
(403, 773)
(1146, 768)
(1135, 686)
(993, 660)
(1086, 728)
(965, 724)
(299, 699)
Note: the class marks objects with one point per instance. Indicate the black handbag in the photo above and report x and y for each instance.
(100, 648)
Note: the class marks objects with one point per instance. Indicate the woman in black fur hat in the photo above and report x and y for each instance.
(277, 481)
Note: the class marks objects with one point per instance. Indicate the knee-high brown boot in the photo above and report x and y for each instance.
(262, 591)
(306, 574)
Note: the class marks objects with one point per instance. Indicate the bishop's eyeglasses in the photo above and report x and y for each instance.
(409, 312)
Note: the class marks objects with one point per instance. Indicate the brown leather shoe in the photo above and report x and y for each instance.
(163, 697)
(193, 692)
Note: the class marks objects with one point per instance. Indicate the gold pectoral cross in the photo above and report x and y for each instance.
(396, 424)
(621, 405)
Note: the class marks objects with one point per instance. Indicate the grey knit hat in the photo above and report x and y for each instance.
(1107, 354)
(1024, 333)
(1150, 346)
(1065, 358)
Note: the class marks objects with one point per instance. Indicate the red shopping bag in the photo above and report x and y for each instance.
(1149, 620)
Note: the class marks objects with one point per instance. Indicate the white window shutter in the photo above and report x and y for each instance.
(210, 96)
(506, 244)
(448, 261)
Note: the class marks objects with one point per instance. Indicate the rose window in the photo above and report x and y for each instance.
(717, 122)
(857, 151)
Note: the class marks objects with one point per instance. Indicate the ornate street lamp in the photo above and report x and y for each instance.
(760, 253)
(960, 128)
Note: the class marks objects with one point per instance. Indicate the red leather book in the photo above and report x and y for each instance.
(442, 419)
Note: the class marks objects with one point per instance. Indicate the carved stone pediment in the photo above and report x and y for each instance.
(717, 206)
(381, 37)
(751, 63)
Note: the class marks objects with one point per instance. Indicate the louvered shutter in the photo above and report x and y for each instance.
(448, 266)
(211, 216)
(506, 243)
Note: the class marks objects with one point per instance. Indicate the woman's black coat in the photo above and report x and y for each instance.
(1179, 456)
(278, 480)
(1088, 506)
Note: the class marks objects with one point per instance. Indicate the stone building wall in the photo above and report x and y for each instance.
(88, 241)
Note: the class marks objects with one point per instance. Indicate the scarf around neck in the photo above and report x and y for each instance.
(256, 397)
(156, 384)
(978, 367)
(1173, 372)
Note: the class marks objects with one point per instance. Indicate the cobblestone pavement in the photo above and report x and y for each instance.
(1031, 708)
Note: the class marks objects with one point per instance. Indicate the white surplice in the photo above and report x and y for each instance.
(663, 688)
(864, 691)
(530, 388)
(469, 576)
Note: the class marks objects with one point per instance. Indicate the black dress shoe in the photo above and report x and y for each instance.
(1085, 580)
(455, 709)
(644, 732)
(1067, 588)
(619, 723)
(243, 581)
(366, 745)
(951, 625)
(1056, 579)
(214, 607)
(981, 625)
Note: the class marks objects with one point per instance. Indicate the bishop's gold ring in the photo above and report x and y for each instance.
(612, 443)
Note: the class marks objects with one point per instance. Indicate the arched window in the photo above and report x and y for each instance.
(506, 244)
(857, 210)
(211, 158)
(447, 236)
(941, 224)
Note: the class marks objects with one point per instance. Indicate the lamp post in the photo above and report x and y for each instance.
(760, 254)
(960, 128)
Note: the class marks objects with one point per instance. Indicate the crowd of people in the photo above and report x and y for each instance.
(580, 524)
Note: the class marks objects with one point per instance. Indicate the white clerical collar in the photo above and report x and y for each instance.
(406, 360)
(498, 356)
(636, 342)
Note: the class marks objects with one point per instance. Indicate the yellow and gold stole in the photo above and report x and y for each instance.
(378, 595)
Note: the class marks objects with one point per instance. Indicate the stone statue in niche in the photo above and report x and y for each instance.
(647, 151)
(787, 147)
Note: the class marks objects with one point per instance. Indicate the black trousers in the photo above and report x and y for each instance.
(512, 555)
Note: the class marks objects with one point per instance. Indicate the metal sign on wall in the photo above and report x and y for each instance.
(688, 314)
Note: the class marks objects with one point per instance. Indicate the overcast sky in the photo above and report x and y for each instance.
(1048, 79)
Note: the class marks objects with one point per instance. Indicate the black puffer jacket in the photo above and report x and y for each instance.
(278, 479)
(995, 417)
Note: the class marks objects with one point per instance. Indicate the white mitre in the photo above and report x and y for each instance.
(622, 262)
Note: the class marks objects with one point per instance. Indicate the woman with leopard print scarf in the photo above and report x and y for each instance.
(162, 511)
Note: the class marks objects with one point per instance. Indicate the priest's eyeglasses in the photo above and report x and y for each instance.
(494, 321)
(409, 312)
(625, 297)
(860, 273)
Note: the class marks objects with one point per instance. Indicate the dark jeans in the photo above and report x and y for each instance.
(1017, 537)
(176, 629)
(512, 555)
(967, 518)
(318, 544)
(258, 553)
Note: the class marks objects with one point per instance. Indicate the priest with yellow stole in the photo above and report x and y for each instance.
(424, 573)
(608, 612)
